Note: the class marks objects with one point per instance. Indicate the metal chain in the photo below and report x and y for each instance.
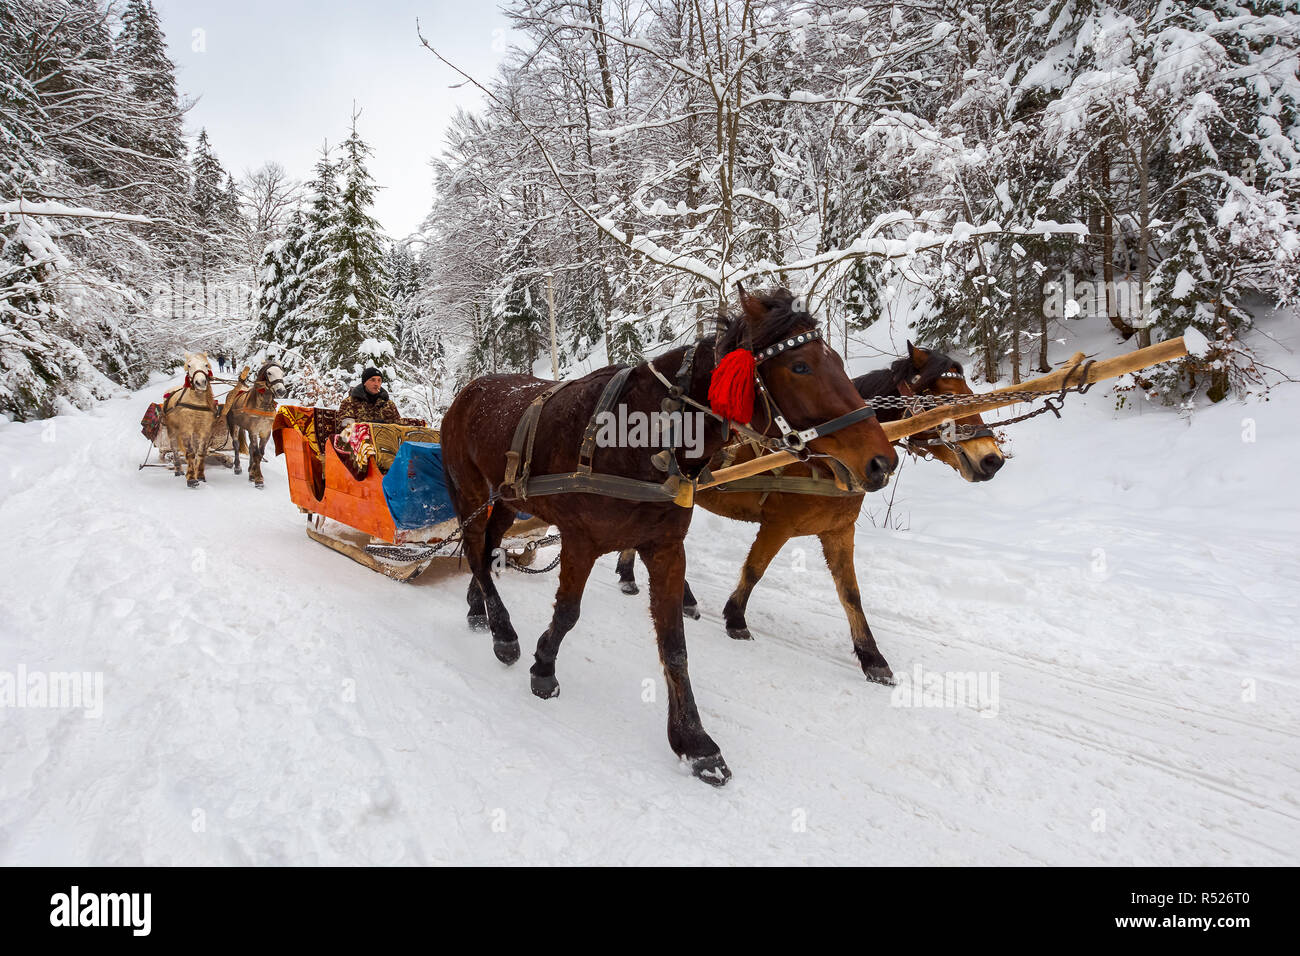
(533, 546)
(1051, 403)
(457, 536)
(926, 402)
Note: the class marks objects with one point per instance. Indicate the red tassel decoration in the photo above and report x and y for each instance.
(731, 389)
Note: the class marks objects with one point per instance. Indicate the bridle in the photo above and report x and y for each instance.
(796, 440)
(948, 435)
(191, 387)
(792, 440)
(263, 380)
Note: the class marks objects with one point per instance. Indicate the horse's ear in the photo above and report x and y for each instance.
(753, 308)
(919, 357)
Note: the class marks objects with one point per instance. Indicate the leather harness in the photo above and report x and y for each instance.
(519, 484)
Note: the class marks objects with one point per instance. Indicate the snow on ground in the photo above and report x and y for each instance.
(1129, 579)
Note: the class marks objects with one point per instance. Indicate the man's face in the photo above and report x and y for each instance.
(373, 384)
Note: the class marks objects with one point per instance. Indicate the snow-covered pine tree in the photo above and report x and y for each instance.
(354, 308)
(279, 284)
(210, 212)
(151, 74)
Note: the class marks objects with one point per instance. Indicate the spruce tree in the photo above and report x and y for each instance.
(355, 304)
(301, 324)
(209, 212)
(151, 76)
(279, 284)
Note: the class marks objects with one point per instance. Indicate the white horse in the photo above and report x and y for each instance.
(189, 414)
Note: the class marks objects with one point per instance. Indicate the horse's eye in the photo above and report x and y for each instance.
(801, 368)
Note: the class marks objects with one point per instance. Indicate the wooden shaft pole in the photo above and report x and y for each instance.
(1069, 374)
(1047, 384)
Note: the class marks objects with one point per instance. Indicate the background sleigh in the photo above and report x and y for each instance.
(391, 520)
(153, 428)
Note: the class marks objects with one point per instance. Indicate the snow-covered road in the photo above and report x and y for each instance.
(1129, 583)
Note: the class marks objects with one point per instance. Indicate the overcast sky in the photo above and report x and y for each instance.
(274, 79)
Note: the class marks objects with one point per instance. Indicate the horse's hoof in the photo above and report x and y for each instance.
(507, 652)
(259, 486)
(880, 675)
(712, 769)
(477, 622)
(628, 587)
(739, 634)
(238, 470)
(545, 687)
(204, 479)
(692, 611)
(192, 482)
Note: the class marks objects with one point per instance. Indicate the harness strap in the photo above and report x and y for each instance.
(210, 407)
(612, 486)
(730, 426)
(520, 456)
(607, 399)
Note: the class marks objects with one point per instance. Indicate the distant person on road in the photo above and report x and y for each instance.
(369, 401)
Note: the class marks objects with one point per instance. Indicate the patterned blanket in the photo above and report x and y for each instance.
(302, 419)
(361, 441)
(355, 445)
(152, 421)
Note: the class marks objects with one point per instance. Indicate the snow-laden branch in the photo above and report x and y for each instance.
(25, 207)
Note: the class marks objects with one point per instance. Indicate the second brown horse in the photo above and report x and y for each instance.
(833, 518)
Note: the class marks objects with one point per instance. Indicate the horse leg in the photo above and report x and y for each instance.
(501, 519)
(769, 541)
(838, 548)
(256, 450)
(493, 536)
(666, 563)
(477, 616)
(626, 568)
(689, 607)
(576, 560)
(505, 642)
(233, 429)
(205, 447)
(191, 466)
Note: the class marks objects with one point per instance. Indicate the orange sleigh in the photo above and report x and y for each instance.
(323, 486)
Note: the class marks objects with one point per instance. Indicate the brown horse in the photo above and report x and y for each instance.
(832, 518)
(189, 414)
(801, 377)
(250, 411)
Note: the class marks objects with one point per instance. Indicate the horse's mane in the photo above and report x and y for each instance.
(885, 381)
(736, 331)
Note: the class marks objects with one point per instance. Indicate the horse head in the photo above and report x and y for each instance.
(970, 448)
(803, 395)
(198, 371)
(272, 373)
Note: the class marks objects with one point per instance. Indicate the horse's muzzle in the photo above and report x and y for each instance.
(878, 471)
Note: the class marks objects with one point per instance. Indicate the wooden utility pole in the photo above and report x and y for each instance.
(550, 303)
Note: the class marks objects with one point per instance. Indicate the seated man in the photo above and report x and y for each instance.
(369, 402)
